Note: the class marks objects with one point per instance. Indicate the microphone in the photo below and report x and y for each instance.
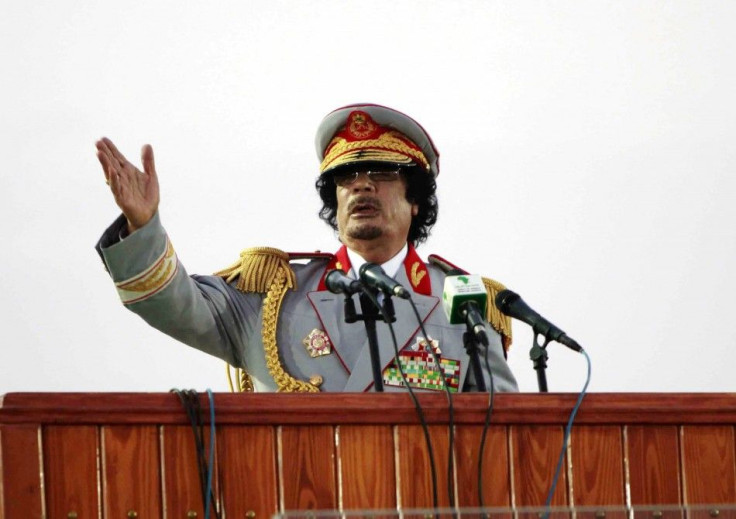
(339, 283)
(511, 304)
(372, 275)
(464, 299)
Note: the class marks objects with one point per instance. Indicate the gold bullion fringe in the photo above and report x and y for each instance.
(500, 322)
(245, 383)
(257, 268)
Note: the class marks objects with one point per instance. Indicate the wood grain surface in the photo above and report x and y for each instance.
(654, 464)
(389, 408)
(182, 490)
(295, 452)
(21, 472)
(535, 450)
(247, 458)
(413, 466)
(131, 471)
(307, 468)
(597, 465)
(71, 461)
(708, 464)
(367, 473)
(496, 487)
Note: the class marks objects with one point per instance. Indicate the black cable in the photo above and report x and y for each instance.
(486, 425)
(186, 404)
(450, 409)
(418, 407)
(193, 401)
(190, 402)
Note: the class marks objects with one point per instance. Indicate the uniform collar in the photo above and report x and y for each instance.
(416, 270)
(391, 267)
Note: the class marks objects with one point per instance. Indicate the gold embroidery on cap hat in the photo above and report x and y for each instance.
(392, 143)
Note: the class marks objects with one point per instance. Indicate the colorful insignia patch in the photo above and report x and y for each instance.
(317, 343)
(361, 126)
(421, 370)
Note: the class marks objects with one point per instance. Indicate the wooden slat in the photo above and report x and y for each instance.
(534, 453)
(367, 471)
(414, 472)
(307, 468)
(182, 489)
(654, 464)
(131, 471)
(597, 465)
(248, 468)
(21, 472)
(70, 456)
(497, 491)
(708, 464)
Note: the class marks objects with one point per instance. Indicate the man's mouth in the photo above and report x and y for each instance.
(364, 207)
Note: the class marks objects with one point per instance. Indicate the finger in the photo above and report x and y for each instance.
(114, 152)
(113, 180)
(103, 148)
(149, 165)
(105, 166)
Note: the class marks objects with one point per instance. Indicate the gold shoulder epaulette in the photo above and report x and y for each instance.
(257, 268)
(267, 271)
(500, 322)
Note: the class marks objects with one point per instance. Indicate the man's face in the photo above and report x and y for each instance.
(369, 209)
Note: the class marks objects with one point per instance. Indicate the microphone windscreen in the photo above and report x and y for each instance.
(460, 290)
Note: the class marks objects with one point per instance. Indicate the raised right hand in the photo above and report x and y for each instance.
(136, 192)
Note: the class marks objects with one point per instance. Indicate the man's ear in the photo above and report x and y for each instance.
(414, 209)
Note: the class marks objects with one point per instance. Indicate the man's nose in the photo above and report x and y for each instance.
(363, 183)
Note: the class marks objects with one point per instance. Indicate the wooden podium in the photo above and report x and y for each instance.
(114, 455)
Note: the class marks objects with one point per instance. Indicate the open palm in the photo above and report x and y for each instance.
(136, 192)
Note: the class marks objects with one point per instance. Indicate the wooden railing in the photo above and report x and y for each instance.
(118, 455)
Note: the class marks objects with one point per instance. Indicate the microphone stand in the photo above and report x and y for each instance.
(538, 354)
(370, 314)
(471, 348)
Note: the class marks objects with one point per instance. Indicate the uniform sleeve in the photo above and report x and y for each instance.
(201, 311)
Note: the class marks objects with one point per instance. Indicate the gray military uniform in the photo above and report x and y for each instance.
(211, 315)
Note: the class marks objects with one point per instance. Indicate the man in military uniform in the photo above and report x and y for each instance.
(276, 320)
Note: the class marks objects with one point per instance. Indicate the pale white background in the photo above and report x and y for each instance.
(587, 162)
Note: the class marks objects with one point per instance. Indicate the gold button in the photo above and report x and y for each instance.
(316, 380)
(132, 514)
(72, 515)
(250, 514)
(191, 514)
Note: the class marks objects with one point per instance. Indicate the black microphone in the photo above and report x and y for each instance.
(511, 304)
(373, 275)
(339, 283)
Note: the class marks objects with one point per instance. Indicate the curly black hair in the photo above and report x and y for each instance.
(420, 190)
